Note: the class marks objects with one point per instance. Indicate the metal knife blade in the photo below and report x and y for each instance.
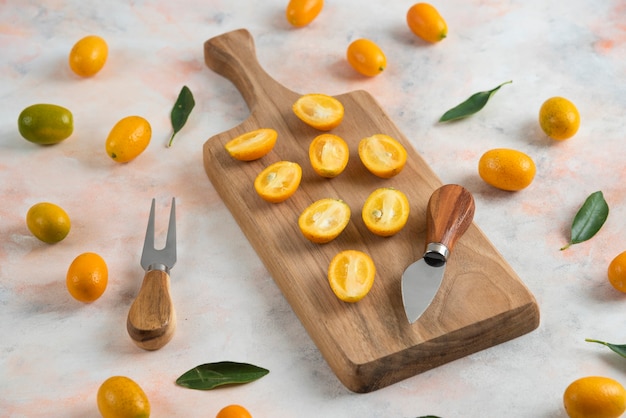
(449, 213)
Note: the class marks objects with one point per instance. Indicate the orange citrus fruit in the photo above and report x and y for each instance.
(87, 277)
(328, 155)
(595, 397)
(279, 181)
(233, 411)
(324, 220)
(351, 275)
(426, 22)
(559, 118)
(122, 397)
(385, 211)
(88, 55)
(48, 222)
(617, 272)
(506, 169)
(252, 145)
(366, 57)
(382, 155)
(319, 111)
(302, 12)
(128, 138)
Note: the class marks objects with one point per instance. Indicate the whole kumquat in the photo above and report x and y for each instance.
(506, 169)
(559, 118)
(617, 272)
(233, 411)
(87, 277)
(128, 139)
(595, 397)
(48, 222)
(426, 22)
(122, 397)
(302, 12)
(88, 56)
(366, 57)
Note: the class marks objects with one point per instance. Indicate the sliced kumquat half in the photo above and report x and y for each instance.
(279, 181)
(324, 220)
(351, 275)
(329, 155)
(319, 111)
(252, 145)
(385, 211)
(382, 155)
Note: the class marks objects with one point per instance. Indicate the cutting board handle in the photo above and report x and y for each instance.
(450, 212)
(233, 56)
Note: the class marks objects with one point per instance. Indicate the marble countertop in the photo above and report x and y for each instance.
(55, 351)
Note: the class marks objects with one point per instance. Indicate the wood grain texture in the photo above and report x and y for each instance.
(369, 344)
(151, 319)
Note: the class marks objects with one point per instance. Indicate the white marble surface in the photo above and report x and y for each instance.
(55, 352)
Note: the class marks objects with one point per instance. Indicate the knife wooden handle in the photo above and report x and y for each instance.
(233, 56)
(450, 212)
(151, 319)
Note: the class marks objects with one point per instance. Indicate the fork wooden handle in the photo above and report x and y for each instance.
(151, 319)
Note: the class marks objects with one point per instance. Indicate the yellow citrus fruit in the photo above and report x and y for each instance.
(426, 22)
(366, 57)
(319, 111)
(279, 181)
(385, 211)
(48, 222)
(324, 220)
(328, 155)
(122, 397)
(88, 55)
(595, 397)
(252, 145)
(302, 12)
(351, 275)
(87, 277)
(382, 155)
(45, 124)
(617, 272)
(233, 411)
(506, 169)
(128, 138)
(559, 118)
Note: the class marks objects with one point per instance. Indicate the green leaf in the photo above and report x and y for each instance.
(181, 110)
(619, 349)
(472, 105)
(589, 219)
(211, 375)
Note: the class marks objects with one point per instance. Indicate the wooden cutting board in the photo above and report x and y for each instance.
(369, 344)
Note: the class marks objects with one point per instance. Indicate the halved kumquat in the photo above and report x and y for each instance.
(328, 155)
(385, 211)
(382, 155)
(319, 111)
(252, 145)
(279, 181)
(351, 275)
(324, 220)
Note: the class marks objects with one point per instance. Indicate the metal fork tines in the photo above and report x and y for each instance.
(165, 258)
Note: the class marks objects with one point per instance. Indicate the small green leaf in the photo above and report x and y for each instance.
(619, 349)
(211, 375)
(472, 105)
(181, 110)
(589, 219)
